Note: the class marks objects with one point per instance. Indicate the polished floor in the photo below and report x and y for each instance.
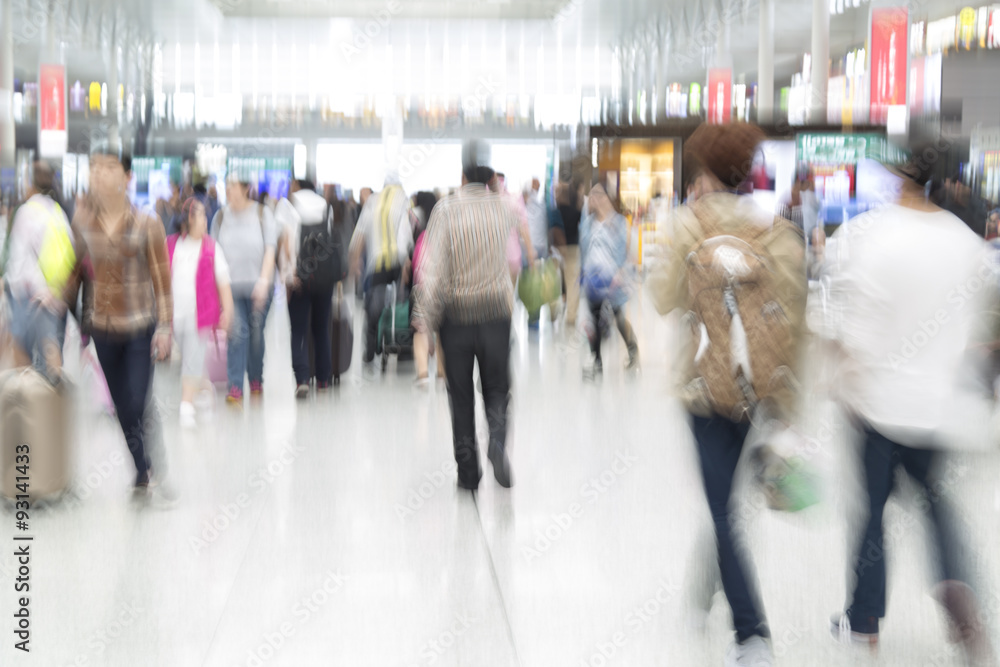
(330, 532)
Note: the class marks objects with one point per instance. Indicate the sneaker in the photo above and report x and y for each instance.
(422, 383)
(188, 420)
(256, 387)
(752, 652)
(235, 396)
(302, 391)
(322, 385)
(852, 632)
(162, 495)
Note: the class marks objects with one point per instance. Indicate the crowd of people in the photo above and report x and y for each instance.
(203, 277)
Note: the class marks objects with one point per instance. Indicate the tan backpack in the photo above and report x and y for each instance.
(742, 337)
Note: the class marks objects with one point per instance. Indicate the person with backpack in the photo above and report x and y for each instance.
(203, 299)
(384, 236)
(312, 263)
(604, 265)
(38, 260)
(739, 275)
(248, 236)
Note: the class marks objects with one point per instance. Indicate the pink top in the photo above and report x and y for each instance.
(206, 291)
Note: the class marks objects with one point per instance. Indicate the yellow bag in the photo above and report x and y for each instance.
(57, 257)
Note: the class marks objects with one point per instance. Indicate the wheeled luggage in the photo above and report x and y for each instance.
(395, 335)
(34, 435)
(341, 337)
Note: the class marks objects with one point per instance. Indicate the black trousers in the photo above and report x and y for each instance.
(309, 313)
(463, 345)
(623, 326)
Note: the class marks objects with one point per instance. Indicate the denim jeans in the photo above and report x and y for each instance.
(246, 343)
(881, 458)
(33, 327)
(720, 443)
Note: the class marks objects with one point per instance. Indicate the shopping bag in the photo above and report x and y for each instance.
(216, 358)
(93, 378)
(782, 471)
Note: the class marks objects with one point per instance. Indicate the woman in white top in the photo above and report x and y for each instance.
(203, 299)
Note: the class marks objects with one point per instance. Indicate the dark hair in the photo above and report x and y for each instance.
(481, 175)
(305, 184)
(426, 201)
(199, 189)
(185, 214)
(43, 177)
(123, 158)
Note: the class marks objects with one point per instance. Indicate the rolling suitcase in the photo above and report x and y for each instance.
(395, 333)
(341, 337)
(34, 435)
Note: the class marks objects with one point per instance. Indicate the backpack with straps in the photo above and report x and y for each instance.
(742, 335)
(321, 254)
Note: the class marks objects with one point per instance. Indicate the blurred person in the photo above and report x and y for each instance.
(167, 209)
(363, 196)
(128, 307)
(423, 341)
(384, 239)
(897, 269)
(248, 236)
(604, 261)
(993, 225)
(538, 219)
(39, 260)
(731, 368)
(203, 299)
(208, 202)
(817, 253)
(310, 269)
(465, 294)
(568, 205)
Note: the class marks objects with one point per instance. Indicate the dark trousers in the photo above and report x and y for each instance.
(881, 457)
(463, 345)
(309, 312)
(374, 305)
(128, 368)
(623, 326)
(720, 443)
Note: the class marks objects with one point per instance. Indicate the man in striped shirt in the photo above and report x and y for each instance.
(466, 293)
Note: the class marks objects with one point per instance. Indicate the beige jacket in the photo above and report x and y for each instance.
(668, 286)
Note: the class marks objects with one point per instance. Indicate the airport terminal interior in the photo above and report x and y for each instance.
(251, 447)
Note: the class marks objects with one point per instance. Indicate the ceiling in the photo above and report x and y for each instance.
(531, 46)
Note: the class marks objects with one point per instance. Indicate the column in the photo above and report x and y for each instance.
(114, 143)
(820, 61)
(7, 135)
(765, 63)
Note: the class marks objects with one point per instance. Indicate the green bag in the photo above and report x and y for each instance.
(539, 285)
(787, 482)
(402, 336)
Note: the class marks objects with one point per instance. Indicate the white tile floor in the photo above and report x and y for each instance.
(325, 533)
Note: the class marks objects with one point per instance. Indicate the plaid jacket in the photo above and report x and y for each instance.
(126, 278)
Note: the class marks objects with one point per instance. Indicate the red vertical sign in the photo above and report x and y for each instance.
(888, 60)
(720, 92)
(52, 97)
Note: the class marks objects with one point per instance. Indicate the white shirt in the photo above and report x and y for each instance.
(908, 288)
(184, 270)
(31, 224)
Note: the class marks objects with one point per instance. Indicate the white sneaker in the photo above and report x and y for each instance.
(754, 652)
(188, 416)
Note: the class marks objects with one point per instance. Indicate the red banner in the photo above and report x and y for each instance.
(720, 95)
(888, 61)
(52, 97)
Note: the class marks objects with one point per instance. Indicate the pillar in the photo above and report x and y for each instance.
(820, 60)
(114, 143)
(7, 135)
(765, 63)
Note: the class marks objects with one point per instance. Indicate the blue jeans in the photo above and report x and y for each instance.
(33, 327)
(246, 343)
(881, 457)
(720, 443)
